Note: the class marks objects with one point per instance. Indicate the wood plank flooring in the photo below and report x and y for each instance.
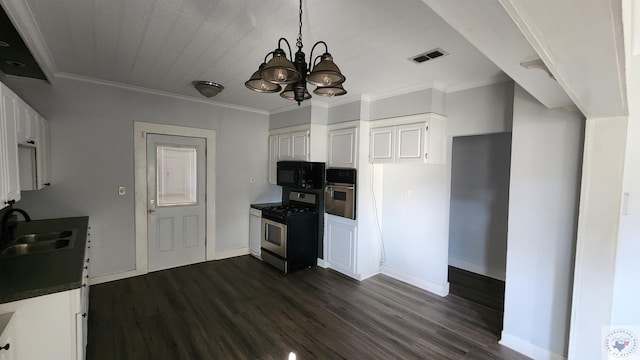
(477, 288)
(241, 308)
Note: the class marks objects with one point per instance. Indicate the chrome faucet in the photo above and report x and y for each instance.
(6, 229)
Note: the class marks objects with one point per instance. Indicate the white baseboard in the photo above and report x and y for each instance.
(478, 269)
(528, 349)
(114, 277)
(441, 290)
(323, 264)
(231, 253)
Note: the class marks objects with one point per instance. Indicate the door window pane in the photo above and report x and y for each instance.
(176, 175)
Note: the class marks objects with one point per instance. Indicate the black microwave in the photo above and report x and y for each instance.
(300, 174)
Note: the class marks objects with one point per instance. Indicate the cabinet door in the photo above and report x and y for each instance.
(43, 153)
(284, 147)
(343, 148)
(341, 245)
(8, 113)
(4, 176)
(273, 159)
(7, 337)
(255, 230)
(27, 124)
(381, 148)
(300, 145)
(409, 142)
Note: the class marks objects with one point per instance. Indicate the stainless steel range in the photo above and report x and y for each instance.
(290, 232)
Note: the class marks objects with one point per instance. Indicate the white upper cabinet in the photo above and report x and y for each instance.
(410, 142)
(410, 139)
(27, 130)
(284, 147)
(382, 145)
(43, 154)
(8, 114)
(342, 149)
(300, 145)
(273, 158)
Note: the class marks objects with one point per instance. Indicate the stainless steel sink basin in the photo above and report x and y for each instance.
(37, 247)
(33, 238)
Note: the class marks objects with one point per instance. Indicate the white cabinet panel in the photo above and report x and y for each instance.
(409, 142)
(7, 337)
(284, 147)
(343, 147)
(381, 145)
(27, 130)
(435, 140)
(341, 245)
(255, 231)
(300, 145)
(8, 120)
(273, 159)
(43, 154)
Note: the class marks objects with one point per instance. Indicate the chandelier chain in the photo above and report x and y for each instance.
(299, 42)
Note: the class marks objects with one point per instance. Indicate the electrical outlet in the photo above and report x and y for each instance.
(122, 191)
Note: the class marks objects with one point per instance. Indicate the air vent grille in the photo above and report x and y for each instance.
(429, 55)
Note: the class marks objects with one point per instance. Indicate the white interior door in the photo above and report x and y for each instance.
(176, 184)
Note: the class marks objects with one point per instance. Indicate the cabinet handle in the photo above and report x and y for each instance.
(425, 155)
(86, 268)
(84, 315)
(10, 202)
(6, 347)
(31, 142)
(84, 285)
(47, 184)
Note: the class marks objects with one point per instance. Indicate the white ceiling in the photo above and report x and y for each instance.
(163, 45)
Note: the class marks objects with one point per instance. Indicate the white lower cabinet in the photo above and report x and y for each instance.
(7, 337)
(255, 231)
(341, 235)
(46, 327)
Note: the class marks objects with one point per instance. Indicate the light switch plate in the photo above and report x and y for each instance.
(122, 191)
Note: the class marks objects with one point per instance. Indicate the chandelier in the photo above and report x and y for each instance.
(322, 72)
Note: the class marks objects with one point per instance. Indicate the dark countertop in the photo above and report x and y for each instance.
(32, 275)
(265, 205)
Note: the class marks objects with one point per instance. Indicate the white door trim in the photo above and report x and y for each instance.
(140, 129)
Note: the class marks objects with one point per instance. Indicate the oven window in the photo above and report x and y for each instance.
(340, 195)
(274, 235)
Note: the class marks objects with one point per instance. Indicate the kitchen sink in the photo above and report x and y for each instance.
(37, 247)
(33, 238)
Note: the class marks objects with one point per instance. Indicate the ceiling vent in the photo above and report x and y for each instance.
(429, 55)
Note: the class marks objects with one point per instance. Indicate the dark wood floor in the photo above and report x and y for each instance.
(241, 308)
(477, 288)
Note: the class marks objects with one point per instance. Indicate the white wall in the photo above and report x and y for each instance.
(626, 285)
(298, 116)
(92, 154)
(416, 229)
(480, 203)
(543, 196)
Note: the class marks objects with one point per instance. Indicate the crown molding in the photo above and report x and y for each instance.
(157, 92)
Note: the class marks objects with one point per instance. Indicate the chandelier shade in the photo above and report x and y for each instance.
(326, 73)
(290, 91)
(294, 72)
(258, 84)
(279, 70)
(332, 90)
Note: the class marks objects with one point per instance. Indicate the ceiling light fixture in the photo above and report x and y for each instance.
(207, 88)
(280, 70)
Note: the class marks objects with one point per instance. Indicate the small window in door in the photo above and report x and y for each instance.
(176, 175)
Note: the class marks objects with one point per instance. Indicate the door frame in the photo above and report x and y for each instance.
(140, 130)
